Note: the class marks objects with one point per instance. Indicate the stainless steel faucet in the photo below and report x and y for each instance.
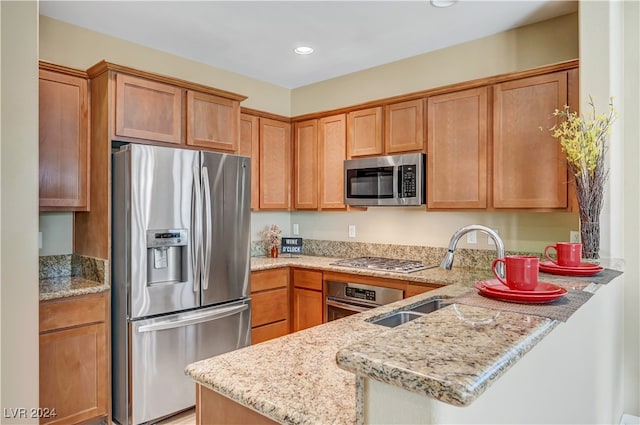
(447, 261)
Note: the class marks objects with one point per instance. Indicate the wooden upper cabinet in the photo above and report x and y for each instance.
(332, 151)
(529, 168)
(404, 126)
(249, 146)
(305, 148)
(364, 136)
(457, 149)
(275, 164)
(148, 109)
(212, 121)
(63, 142)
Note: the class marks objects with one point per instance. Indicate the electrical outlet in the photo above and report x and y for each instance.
(472, 237)
(489, 240)
(39, 240)
(352, 230)
(296, 229)
(574, 236)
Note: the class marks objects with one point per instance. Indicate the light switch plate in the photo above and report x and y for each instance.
(574, 236)
(296, 229)
(352, 230)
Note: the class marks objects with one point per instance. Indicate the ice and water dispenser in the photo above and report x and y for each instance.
(167, 256)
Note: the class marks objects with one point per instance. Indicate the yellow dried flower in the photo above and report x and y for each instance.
(582, 139)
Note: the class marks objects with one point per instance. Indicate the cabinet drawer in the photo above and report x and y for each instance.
(269, 306)
(69, 312)
(270, 331)
(307, 279)
(269, 279)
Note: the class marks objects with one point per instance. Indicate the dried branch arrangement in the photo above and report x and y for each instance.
(584, 141)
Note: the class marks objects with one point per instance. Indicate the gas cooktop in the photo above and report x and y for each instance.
(383, 264)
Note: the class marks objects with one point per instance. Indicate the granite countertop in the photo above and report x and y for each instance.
(306, 377)
(69, 286)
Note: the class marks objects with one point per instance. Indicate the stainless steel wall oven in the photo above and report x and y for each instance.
(344, 298)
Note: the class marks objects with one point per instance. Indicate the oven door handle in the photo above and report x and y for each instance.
(349, 307)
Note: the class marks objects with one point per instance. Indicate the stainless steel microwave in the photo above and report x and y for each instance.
(385, 180)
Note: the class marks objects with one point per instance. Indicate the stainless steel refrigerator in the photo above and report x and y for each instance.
(180, 252)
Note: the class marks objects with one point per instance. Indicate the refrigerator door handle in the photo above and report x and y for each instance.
(207, 248)
(196, 231)
(194, 319)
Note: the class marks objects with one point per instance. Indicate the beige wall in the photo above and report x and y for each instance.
(610, 66)
(77, 47)
(19, 208)
(547, 42)
(523, 48)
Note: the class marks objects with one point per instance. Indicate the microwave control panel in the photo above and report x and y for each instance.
(407, 181)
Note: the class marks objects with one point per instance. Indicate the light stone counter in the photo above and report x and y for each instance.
(68, 286)
(295, 379)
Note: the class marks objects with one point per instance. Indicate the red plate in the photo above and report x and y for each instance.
(543, 288)
(520, 298)
(566, 271)
(581, 266)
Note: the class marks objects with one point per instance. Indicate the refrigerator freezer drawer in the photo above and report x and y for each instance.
(162, 347)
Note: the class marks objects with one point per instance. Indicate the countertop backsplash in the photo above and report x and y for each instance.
(473, 258)
(74, 265)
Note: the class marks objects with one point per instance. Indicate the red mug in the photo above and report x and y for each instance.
(521, 271)
(568, 254)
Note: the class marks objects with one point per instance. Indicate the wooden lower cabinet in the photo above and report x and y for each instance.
(307, 308)
(308, 298)
(74, 359)
(269, 304)
(213, 408)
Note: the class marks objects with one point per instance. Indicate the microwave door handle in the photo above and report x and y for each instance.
(196, 232)
(207, 248)
(194, 319)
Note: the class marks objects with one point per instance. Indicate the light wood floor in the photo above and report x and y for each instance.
(188, 417)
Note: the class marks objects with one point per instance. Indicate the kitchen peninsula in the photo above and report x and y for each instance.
(457, 356)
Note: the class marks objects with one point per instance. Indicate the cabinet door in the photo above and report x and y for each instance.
(364, 135)
(64, 148)
(457, 150)
(404, 126)
(148, 110)
(307, 308)
(306, 165)
(212, 121)
(249, 146)
(332, 151)
(275, 164)
(73, 374)
(529, 169)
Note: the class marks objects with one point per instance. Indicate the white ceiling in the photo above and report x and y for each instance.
(257, 38)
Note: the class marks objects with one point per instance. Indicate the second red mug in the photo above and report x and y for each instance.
(568, 254)
(521, 271)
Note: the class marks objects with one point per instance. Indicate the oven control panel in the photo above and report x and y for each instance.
(359, 293)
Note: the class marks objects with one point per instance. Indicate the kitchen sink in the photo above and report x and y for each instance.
(430, 306)
(403, 316)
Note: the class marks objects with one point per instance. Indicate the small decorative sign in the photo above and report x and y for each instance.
(291, 245)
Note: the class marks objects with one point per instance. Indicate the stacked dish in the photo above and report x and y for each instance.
(582, 269)
(544, 292)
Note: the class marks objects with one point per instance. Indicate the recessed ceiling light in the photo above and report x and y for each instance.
(303, 50)
(443, 3)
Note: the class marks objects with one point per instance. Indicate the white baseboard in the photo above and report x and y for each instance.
(630, 420)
